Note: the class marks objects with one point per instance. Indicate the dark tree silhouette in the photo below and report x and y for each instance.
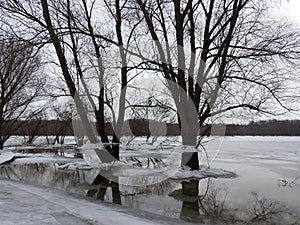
(21, 84)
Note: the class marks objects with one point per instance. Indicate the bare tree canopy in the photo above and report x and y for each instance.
(232, 53)
(21, 83)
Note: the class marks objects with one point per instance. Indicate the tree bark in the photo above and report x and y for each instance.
(189, 159)
(189, 128)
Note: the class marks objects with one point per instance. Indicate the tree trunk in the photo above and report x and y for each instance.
(190, 159)
(189, 130)
(115, 148)
(30, 139)
(56, 139)
(116, 194)
(2, 144)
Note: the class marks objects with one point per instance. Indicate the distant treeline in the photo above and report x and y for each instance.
(266, 128)
(146, 128)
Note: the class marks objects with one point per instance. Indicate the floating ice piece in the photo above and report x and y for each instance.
(186, 148)
(187, 173)
(6, 156)
(75, 166)
(95, 154)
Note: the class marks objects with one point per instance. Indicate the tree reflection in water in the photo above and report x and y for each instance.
(76, 181)
(266, 211)
(209, 205)
(101, 185)
(190, 206)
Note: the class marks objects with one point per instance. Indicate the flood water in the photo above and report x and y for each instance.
(266, 190)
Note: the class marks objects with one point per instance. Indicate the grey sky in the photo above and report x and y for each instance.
(291, 9)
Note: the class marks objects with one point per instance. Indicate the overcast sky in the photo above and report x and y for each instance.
(292, 9)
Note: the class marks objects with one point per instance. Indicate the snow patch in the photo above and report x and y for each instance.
(6, 156)
(75, 166)
(83, 165)
(43, 158)
(186, 173)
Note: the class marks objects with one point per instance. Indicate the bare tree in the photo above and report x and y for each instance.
(79, 44)
(81, 29)
(63, 114)
(48, 29)
(21, 82)
(33, 125)
(228, 55)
